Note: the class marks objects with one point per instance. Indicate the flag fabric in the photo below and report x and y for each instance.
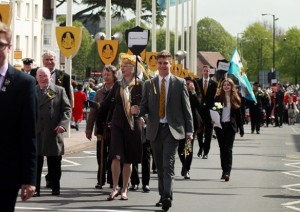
(162, 3)
(236, 68)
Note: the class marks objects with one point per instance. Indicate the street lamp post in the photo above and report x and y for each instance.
(261, 52)
(274, 19)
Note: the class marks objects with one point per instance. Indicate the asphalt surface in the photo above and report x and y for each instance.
(265, 177)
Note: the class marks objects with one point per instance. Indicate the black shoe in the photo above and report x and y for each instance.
(166, 204)
(146, 188)
(73, 126)
(36, 194)
(257, 132)
(55, 192)
(205, 157)
(183, 171)
(98, 186)
(154, 171)
(159, 203)
(48, 184)
(187, 175)
(133, 187)
(199, 154)
(226, 177)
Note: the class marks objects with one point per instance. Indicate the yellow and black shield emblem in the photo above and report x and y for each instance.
(108, 50)
(151, 60)
(5, 13)
(176, 70)
(142, 55)
(69, 40)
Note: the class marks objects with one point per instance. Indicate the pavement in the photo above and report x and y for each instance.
(77, 141)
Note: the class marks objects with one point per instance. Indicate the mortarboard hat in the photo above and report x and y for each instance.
(27, 61)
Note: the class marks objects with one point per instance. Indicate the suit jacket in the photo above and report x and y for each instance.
(178, 109)
(17, 125)
(63, 79)
(208, 99)
(279, 98)
(32, 72)
(53, 110)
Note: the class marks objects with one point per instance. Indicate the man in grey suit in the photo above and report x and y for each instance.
(166, 101)
(54, 112)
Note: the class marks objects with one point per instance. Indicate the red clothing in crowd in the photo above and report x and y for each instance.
(79, 99)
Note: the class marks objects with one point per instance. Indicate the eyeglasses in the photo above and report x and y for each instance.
(3, 46)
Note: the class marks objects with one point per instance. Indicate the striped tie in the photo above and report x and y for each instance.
(162, 99)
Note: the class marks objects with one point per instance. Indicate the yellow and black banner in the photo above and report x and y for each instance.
(5, 13)
(142, 54)
(151, 60)
(69, 40)
(108, 50)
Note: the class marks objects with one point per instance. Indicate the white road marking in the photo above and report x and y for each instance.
(71, 163)
(69, 210)
(295, 131)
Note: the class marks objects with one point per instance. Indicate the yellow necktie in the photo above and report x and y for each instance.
(205, 87)
(162, 99)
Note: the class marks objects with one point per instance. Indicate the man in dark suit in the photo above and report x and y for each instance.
(54, 112)
(59, 78)
(208, 89)
(18, 136)
(166, 101)
(279, 106)
(27, 67)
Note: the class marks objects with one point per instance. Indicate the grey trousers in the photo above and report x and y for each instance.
(164, 148)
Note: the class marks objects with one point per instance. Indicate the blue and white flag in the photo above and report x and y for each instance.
(236, 68)
(162, 3)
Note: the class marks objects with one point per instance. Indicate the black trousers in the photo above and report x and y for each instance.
(106, 163)
(54, 171)
(225, 137)
(8, 199)
(186, 160)
(278, 115)
(207, 133)
(256, 116)
(134, 179)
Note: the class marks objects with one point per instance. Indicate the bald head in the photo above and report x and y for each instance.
(43, 77)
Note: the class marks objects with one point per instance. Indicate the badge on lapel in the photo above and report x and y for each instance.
(5, 85)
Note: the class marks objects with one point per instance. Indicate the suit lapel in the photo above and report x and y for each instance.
(171, 84)
(44, 98)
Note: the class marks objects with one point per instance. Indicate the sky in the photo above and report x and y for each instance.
(236, 15)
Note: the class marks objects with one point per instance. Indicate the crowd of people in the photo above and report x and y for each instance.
(132, 118)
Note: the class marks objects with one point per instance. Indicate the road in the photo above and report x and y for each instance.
(265, 177)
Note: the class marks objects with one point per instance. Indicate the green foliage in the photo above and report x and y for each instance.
(255, 37)
(211, 36)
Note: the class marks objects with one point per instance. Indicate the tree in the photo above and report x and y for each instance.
(211, 36)
(256, 36)
(289, 56)
(96, 9)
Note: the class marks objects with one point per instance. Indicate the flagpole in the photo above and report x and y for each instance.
(168, 26)
(138, 13)
(182, 30)
(195, 36)
(192, 37)
(176, 29)
(108, 19)
(188, 36)
(153, 43)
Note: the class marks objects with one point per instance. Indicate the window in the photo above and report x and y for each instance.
(26, 45)
(18, 4)
(27, 11)
(47, 34)
(17, 42)
(36, 11)
(34, 53)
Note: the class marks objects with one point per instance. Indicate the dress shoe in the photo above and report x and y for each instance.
(55, 192)
(133, 187)
(257, 132)
(223, 176)
(36, 194)
(205, 157)
(187, 175)
(183, 171)
(146, 188)
(98, 186)
(154, 171)
(124, 196)
(226, 177)
(199, 154)
(166, 204)
(159, 203)
(48, 184)
(73, 126)
(112, 195)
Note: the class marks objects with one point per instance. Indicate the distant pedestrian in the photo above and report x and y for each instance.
(79, 101)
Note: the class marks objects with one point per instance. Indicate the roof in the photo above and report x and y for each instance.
(210, 58)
